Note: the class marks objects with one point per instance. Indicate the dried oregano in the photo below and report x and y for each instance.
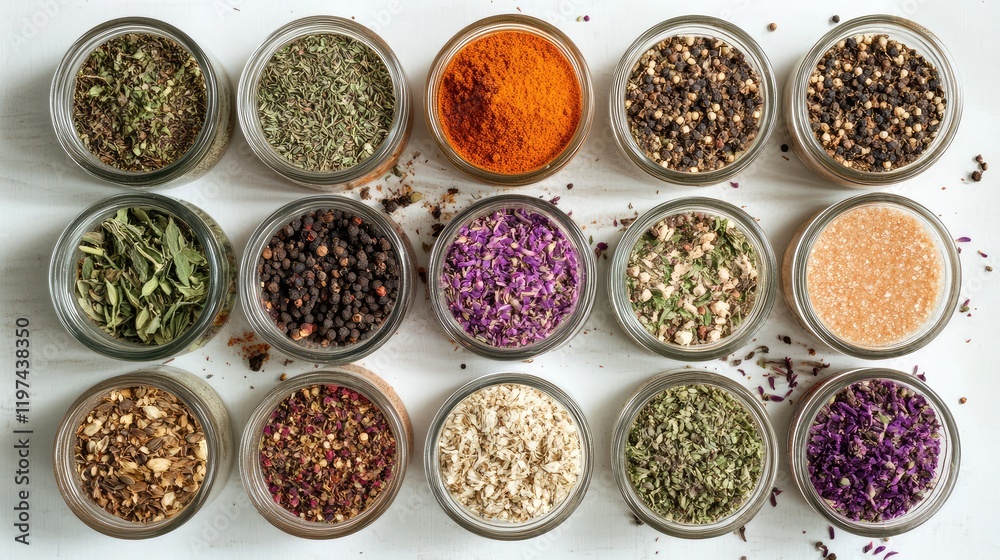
(694, 454)
(139, 102)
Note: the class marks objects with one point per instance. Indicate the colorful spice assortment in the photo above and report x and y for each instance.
(873, 450)
(694, 454)
(511, 277)
(329, 278)
(693, 103)
(143, 277)
(692, 278)
(874, 276)
(327, 453)
(874, 103)
(139, 102)
(510, 452)
(325, 102)
(509, 102)
(141, 454)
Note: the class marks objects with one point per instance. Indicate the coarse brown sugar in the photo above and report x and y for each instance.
(874, 276)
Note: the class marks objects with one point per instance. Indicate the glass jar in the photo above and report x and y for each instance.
(949, 458)
(795, 289)
(587, 286)
(489, 26)
(498, 529)
(767, 280)
(64, 269)
(914, 36)
(208, 146)
(204, 404)
(640, 398)
(386, 154)
(699, 26)
(250, 285)
(354, 378)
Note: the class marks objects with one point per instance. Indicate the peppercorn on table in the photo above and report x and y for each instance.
(600, 140)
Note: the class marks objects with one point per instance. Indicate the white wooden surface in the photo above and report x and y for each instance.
(43, 191)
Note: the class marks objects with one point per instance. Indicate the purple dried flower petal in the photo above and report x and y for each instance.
(893, 553)
(878, 550)
(982, 254)
(832, 533)
(964, 239)
(868, 547)
(734, 184)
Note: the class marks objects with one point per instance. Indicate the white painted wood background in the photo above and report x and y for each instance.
(43, 191)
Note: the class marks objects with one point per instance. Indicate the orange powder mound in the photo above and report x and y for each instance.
(874, 276)
(509, 102)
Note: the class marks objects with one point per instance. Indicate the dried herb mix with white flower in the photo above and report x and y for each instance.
(692, 278)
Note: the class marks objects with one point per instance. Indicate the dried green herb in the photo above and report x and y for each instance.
(692, 278)
(139, 102)
(143, 277)
(325, 102)
(694, 454)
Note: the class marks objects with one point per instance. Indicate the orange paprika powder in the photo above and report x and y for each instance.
(509, 102)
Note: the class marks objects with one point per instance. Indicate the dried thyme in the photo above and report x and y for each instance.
(693, 103)
(325, 102)
(694, 454)
(139, 102)
(692, 278)
(874, 103)
(141, 454)
(143, 277)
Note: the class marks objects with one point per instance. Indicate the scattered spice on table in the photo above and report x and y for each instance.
(692, 278)
(694, 454)
(143, 277)
(327, 453)
(139, 102)
(873, 450)
(835, 19)
(510, 452)
(850, 280)
(255, 352)
(772, 26)
(325, 102)
(509, 102)
(511, 277)
(874, 104)
(141, 454)
(402, 199)
(693, 103)
(329, 278)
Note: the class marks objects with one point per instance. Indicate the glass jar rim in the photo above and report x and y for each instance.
(951, 283)
(928, 46)
(498, 530)
(355, 378)
(949, 461)
(767, 277)
(246, 97)
(711, 27)
(166, 379)
(496, 24)
(655, 385)
(61, 103)
(587, 285)
(66, 256)
(249, 280)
